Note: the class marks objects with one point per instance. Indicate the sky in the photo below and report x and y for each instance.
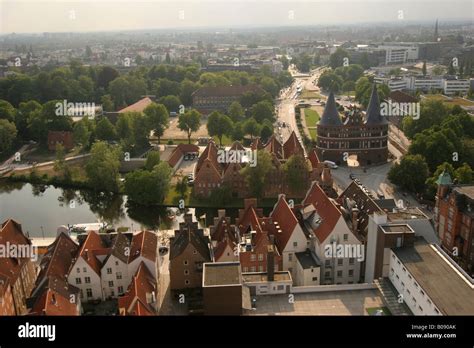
(37, 16)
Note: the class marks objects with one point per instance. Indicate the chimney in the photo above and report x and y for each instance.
(355, 220)
(271, 261)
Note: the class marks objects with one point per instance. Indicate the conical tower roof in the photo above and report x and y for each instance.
(330, 115)
(373, 116)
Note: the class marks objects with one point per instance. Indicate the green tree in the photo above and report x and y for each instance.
(295, 173)
(236, 112)
(102, 168)
(181, 187)
(337, 58)
(251, 127)
(266, 132)
(107, 102)
(60, 162)
(158, 118)
(189, 122)
(238, 132)
(152, 159)
(105, 130)
(7, 135)
(262, 110)
(410, 174)
(148, 187)
(255, 176)
(7, 111)
(219, 125)
(81, 134)
(464, 174)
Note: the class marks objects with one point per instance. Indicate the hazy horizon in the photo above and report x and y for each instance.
(27, 16)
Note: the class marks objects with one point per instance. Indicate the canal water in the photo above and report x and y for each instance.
(41, 209)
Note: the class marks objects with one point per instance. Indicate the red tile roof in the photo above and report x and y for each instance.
(180, 151)
(287, 220)
(92, 242)
(274, 146)
(134, 302)
(292, 146)
(52, 303)
(139, 106)
(325, 208)
(313, 158)
(144, 244)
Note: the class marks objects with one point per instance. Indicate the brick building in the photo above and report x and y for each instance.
(454, 220)
(366, 137)
(207, 99)
(65, 138)
(17, 274)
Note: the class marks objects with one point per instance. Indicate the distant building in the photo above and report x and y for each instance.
(65, 138)
(454, 220)
(206, 99)
(17, 274)
(366, 137)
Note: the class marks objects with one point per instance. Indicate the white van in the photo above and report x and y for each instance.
(331, 164)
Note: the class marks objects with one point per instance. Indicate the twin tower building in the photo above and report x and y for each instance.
(354, 133)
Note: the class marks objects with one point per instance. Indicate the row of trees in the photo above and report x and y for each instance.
(442, 139)
(342, 78)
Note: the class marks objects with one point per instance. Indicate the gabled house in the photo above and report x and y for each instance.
(290, 238)
(322, 218)
(115, 274)
(144, 248)
(224, 239)
(141, 296)
(189, 249)
(85, 272)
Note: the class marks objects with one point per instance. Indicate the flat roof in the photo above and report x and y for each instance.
(397, 228)
(221, 274)
(307, 260)
(465, 190)
(263, 277)
(409, 213)
(449, 290)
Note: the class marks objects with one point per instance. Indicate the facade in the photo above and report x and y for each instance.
(64, 138)
(366, 137)
(454, 220)
(447, 85)
(219, 98)
(223, 292)
(211, 172)
(189, 250)
(17, 274)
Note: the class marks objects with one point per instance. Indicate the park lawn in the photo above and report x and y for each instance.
(372, 310)
(305, 94)
(450, 101)
(312, 132)
(311, 117)
(226, 141)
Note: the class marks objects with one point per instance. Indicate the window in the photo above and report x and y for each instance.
(185, 262)
(252, 269)
(422, 293)
(111, 284)
(346, 237)
(78, 281)
(109, 270)
(260, 268)
(295, 244)
(253, 257)
(186, 272)
(120, 289)
(351, 261)
(112, 293)
(421, 309)
(195, 252)
(78, 270)
(87, 280)
(84, 269)
(436, 311)
(260, 257)
(416, 285)
(327, 275)
(290, 257)
(119, 275)
(89, 292)
(398, 262)
(246, 269)
(327, 263)
(339, 274)
(339, 262)
(116, 263)
(409, 277)
(408, 292)
(315, 279)
(404, 269)
(351, 273)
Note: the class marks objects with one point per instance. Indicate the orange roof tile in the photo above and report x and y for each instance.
(287, 220)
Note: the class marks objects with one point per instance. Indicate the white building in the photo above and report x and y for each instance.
(453, 86)
(337, 248)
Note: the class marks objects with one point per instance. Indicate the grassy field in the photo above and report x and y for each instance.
(305, 94)
(226, 141)
(312, 132)
(450, 101)
(311, 116)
